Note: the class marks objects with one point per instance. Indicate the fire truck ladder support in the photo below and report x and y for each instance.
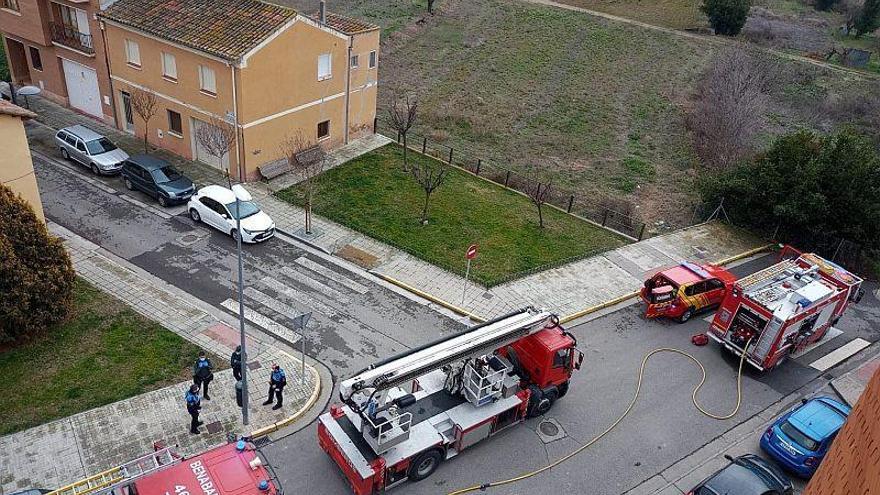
(107, 481)
(626, 412)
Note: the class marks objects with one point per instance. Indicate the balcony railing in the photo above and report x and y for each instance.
(71, 37)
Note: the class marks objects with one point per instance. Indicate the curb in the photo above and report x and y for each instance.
(316, 392)
(303, 240)
(425, 295)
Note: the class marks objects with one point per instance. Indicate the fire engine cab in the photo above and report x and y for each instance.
(403, 416)
(784, 308)
(681, 291)
(231, 469)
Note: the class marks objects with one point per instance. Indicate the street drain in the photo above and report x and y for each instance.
(550, 430)
(188, 239)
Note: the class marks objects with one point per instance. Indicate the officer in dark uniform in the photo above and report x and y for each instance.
(277, 382)
(193, 405)
(203, 373)
(235, 363)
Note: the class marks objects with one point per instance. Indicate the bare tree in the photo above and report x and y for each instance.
(145, 105)
(402, 115)
(217, 137)
(430, 174)
(538, 192)
(431, 7)
(731, 106)
(308, 160)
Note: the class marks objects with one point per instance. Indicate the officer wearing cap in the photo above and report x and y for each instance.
(193, 405)
(203, 372)
(277, 382)
(235, 363)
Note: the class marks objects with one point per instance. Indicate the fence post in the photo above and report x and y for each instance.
(604, 217)
(424, 144)
(375, 124)
(398, 137)
(507, 179)
(570, 202)
(641, 231)
(450, 155)
(479, 162)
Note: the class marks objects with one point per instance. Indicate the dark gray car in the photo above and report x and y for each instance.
(157, 178)
(745, 475)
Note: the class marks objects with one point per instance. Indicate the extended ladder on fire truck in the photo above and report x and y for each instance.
(105, 482)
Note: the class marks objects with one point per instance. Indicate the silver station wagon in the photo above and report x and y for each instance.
(83, 145)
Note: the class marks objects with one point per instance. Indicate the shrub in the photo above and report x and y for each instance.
(868, 19)
(727, 17)
(36, 275)
(825, 5)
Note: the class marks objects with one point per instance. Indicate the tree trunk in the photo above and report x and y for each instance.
(405, 167)
(146, 134)
(425, 208)
(540, 217)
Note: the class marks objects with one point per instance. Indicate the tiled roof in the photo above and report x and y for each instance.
(346, 25)
(7, 108)
(224, 28)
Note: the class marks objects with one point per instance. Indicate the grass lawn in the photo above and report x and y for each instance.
(102, 353)
(373, 195)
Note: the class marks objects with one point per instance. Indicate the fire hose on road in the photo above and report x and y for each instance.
(626, 412)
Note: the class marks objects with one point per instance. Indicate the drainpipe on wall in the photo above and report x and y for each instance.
(238, 137)
(109, 79)
(322, 12)
(347, 88)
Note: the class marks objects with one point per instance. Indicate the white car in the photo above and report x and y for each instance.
(215, 205)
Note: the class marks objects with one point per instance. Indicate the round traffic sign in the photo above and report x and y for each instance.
(471, 252)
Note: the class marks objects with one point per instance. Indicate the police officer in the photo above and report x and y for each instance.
(203, 373)
(193, 405)
(235, 363)
(277, 382)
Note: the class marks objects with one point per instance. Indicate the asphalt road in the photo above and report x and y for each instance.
(358, 321)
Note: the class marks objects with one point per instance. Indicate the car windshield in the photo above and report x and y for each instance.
(248, 208)
(99, 146)
(165, 174)
(798, 436)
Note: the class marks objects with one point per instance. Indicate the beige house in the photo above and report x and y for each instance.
(267, 69)
(57, 46)
(16, 167)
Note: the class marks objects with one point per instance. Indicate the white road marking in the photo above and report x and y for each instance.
(332, 275)
(839, 355)
(297, 296)
(830, 334)
(314, 284)
(257, 319)
(271, 303)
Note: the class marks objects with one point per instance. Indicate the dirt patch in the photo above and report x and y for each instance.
(358, 256)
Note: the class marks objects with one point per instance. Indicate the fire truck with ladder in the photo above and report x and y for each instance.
(403, 416)
(784, 308)
(230, 469)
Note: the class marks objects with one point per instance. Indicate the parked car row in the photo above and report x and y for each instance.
(798, 440)
(213, 205)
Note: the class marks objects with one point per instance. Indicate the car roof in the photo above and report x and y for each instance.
(82, 132)
(218, 193)
(148, 162)
(681, 275)
(742, 477)
(819, 418)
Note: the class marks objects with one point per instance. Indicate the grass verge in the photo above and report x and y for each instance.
(372, 194)
(102, 353)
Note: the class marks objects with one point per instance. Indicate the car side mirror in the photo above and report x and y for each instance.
(728, 457)
(804, 401)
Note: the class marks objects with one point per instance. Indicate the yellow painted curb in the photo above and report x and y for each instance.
(316, 392)
(746, 254)
(429, 297)
(593, 309)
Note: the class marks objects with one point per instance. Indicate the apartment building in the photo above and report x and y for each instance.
(267, 70)
(57, 46)
(16, 167)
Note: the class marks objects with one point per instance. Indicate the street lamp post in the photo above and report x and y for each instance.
(241, 194)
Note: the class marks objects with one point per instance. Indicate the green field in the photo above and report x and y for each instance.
(372, 194)
(102, 353)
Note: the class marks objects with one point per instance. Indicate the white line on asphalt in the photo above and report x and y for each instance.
(257, 319)
(299, 297)
(839, 355)
(273, 304)
(314, 284)
(332, 275)
(830, 334)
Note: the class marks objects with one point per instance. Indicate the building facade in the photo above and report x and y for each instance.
(16, 167)
(266, 70)
(57, 46)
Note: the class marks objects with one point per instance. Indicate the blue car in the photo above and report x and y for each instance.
(800, 438)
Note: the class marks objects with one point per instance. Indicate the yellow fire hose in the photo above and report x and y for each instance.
(632, 403)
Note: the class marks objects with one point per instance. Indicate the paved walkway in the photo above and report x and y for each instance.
(56, 453)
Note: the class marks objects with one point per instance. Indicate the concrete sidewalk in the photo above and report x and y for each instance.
(60, 452)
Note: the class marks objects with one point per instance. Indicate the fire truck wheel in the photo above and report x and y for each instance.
(425, 464)
(686, 315)
(540, 402)
(563, 389)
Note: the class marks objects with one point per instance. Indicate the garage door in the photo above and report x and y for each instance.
(200, 153)
(82, 88)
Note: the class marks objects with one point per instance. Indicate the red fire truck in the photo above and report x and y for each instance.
(683, 290)
(403, 416)
(784, 308)
(231, 469)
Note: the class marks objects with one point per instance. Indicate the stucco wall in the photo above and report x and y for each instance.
(16, 167)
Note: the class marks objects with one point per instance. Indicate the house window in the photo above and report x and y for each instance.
(373, 59)
(132, 53)
(10, 4)
(207, 83)
(324, 129)
(36, 61)
(324, 67)
(354, 61)
(169, 66)
(175, 124)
